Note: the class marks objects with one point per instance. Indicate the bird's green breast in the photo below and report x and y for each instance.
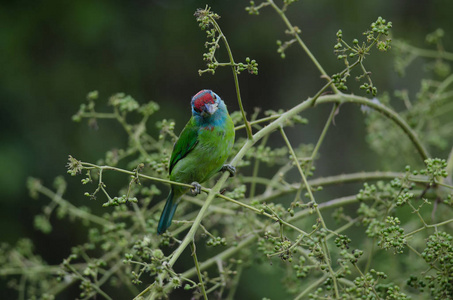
(214, 144)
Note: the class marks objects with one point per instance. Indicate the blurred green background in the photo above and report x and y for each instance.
(52, 53)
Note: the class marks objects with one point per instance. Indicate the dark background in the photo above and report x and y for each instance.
(52, 53)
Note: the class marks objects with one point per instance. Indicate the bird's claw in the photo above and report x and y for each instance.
(196, 188)
(229, 168)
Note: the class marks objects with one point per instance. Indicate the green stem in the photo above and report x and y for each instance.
(370, 255)
(73, 209)
(214, 208)
(261, 212)
(81, 278)
(322, 181)
(256, 168)
(443, 86)
(235, 76)
(89, 166)
(139, 215)
(304, 179)
(427, 226)
(318, 212)
(325, 205)
(270, 118)
(197, 267)
(98, 115)
(342, 228)
(263, 181)
(292, 30)
(424, 52)
(235, 282)
(36, 270)
(353, 177)
(449, 167)
(322, 136)
(311, 287)
(134, 136)
(365, 72)
(428, 181)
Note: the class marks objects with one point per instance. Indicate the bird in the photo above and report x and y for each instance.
(200, 152)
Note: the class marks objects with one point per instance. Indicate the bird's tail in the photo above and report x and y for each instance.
(168, 212)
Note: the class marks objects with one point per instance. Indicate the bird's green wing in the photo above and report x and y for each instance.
(188, 139)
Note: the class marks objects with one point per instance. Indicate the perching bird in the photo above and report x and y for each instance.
(201, 150)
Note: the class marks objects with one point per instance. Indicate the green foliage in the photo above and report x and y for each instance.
(387, 241)
(375, 36)
(207, 22)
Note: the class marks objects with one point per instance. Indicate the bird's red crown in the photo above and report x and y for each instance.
(202, 98)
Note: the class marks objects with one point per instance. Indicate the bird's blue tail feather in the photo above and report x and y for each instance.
(167, 213)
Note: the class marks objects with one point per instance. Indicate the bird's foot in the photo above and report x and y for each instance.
(196, 188)
(229, 168)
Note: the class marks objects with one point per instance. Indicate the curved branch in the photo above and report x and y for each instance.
(338, 98)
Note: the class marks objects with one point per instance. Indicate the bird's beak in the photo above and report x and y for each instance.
(211, 108)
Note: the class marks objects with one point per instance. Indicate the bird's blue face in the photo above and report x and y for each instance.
(205, 103)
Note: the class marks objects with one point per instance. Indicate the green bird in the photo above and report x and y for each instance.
(201, 150)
